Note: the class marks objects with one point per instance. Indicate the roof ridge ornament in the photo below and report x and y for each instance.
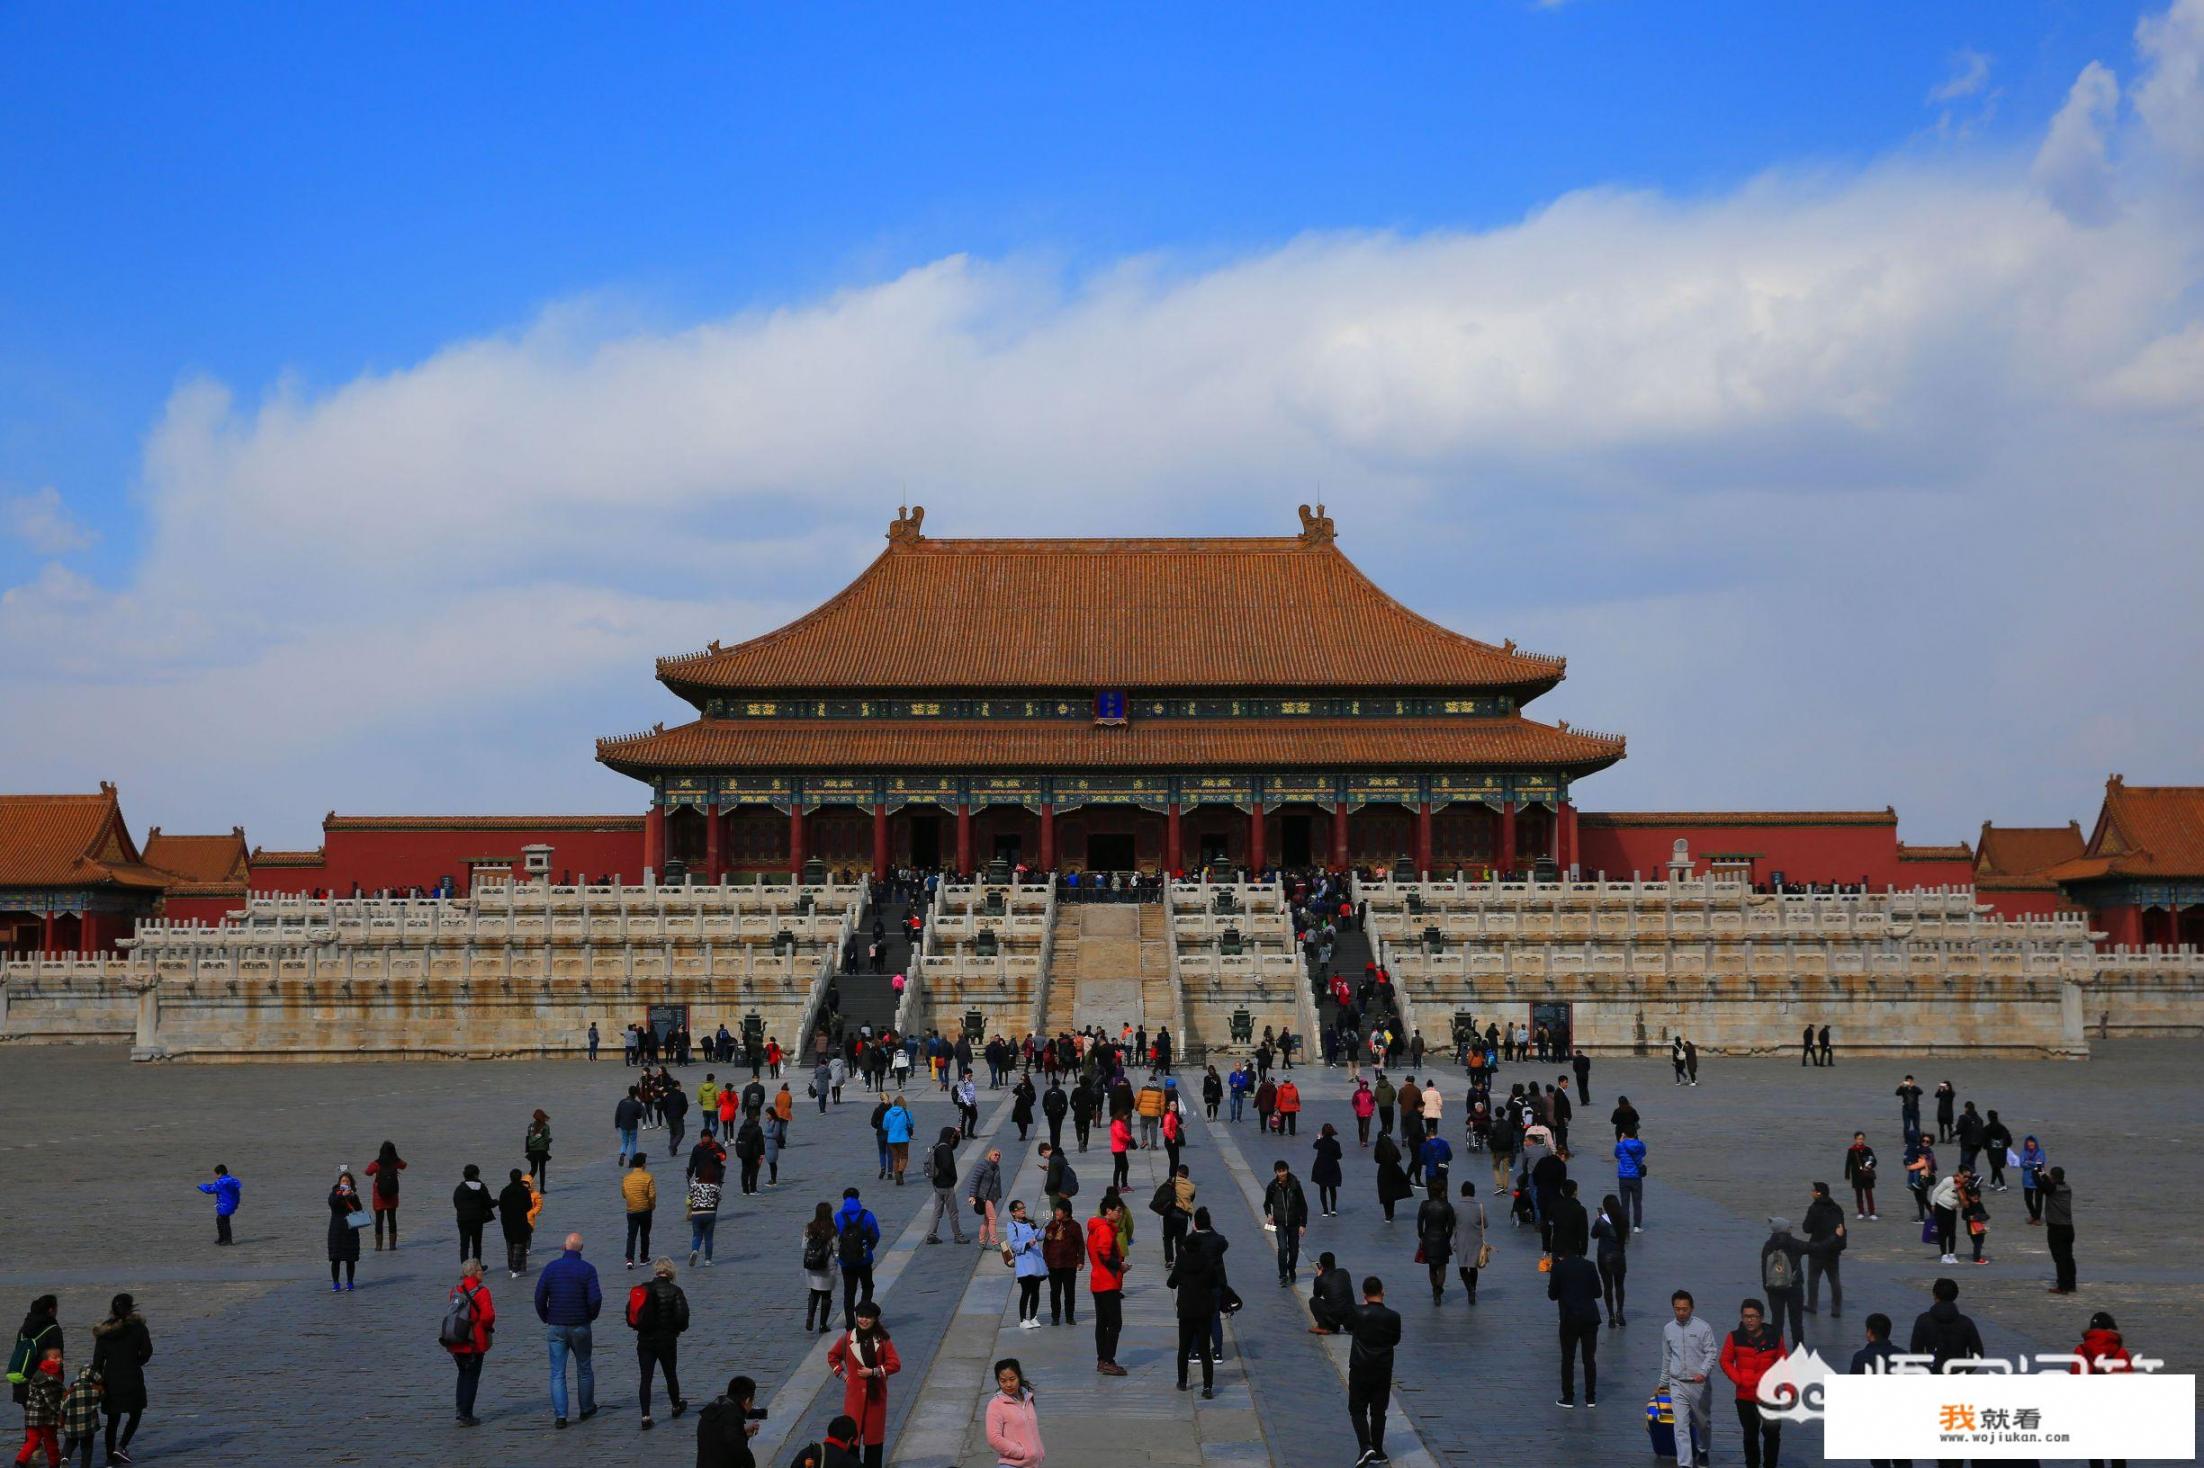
(904, 528)
(1317, 528)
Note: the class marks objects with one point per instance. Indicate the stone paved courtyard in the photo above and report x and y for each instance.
(258, 1363)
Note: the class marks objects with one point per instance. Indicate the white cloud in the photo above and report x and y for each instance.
(2072, 167)
(1970, 74)
(1840, 489)
(43, 523)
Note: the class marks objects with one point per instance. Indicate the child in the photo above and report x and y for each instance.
(80, 1415)
(226, 1191)
(42, 1410)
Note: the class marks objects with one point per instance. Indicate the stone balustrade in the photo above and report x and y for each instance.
(1268, 977)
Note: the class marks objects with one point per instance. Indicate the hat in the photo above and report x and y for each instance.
(1779, 1225)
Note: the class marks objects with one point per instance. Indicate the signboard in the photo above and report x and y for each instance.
(1109, 707)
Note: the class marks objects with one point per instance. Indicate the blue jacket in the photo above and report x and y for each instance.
(567, 1292)
(1241, 1082)
(851, 1210)
(896, 1124)
(1025, 1249)
(227, 1191)
(1629, 1158)
(1435, 1152)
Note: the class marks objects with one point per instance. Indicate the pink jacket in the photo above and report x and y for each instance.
(1014, 1431)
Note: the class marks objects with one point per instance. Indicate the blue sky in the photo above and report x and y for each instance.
(248, 254)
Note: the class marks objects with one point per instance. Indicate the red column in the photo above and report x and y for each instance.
(1255, 839)
(88, 934)
(712, 867)
(46, 932)
(1423, 836)
(880, 839)
(1048, 837)
(1171, 852)
(964, 836)
(1507, 839)
(796, 836)
(654, 839)
(1340, 859)
(1564, 837)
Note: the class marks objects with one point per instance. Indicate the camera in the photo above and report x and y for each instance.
(754, 1414)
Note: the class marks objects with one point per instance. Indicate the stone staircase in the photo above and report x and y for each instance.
(1110, 964)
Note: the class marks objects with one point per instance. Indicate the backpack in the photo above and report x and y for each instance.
(849, 1241)
(944, 1165)
(638, 1299)
(1776, 1270)
(1165, 1199)
(817, 1250)
(1067, 1185)
(457, 1329)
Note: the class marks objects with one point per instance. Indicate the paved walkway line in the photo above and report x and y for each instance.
(786, 1408)
(1398, 1420)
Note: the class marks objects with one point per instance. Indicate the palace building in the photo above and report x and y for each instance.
(1123, 704)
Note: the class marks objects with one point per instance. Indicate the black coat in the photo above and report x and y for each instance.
(1572, 1226)
(473, 1205)
(1376, 1331)
(1574, 1287)
(513, 1203)
(1332, 1301)
(1325, 1171)
(120, 1349)
(344, 1240)
(1392, 1179)
(1197, 1275)
(722, 1440)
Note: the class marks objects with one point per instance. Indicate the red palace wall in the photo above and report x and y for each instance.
(208, 910)
(1841, 847)
(402, 857)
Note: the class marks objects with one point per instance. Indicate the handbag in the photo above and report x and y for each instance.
(1545, 1264)
(1484, 1256)
(1928, 1230)
(360, 1218)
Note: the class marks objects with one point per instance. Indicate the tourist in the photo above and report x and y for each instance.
(1022, 1100)
(568, 1298)
(1392, 1178)
(897, 1125)
(593, 1040)
(467, 1353)
(1022, 1247)
(384, 1195)
(1197, 1278)
(80, 1406)
(1688, 1359)
(1582, 1065)
(121, 1345)
(1909, 1106)
(1946, 1099)
(750, 1152)
(1691, 1062)
(1174, 1135)
(1920, 1175)
(1083, 1107)
(1859, 1171)
(2033, 1161)
(1969, 1129)
(1435, 1223)
(1943, 1334)
(983, 1189)
(1997, 1144)
(41, 1408)
(1611, 1239)
(1063, 1251)
(1434, 1156)
(40, 1330)
(1106, 1259)
(1325, 1171)
(639, 1193)
(473, 1206)
(941, 1171)
(1876, 1357)
(1747, 1354)
(864, 1359)
(227, 1192)
(1625, 1118)
(967, 1095)
(700, 1203)
(1121, 1143)
(1781, 1256)
(1574, 1287)
(627, 1116)
(515, 1204)
(1239, 1083)
(1376, 1331)
(2058, 1227)
(818, 1267)
(1504, 1136)
(1471, 1252)
(1364, 1104)
(1824, 1224)
(1967, 1189)
(776, 1138)
(1266, 1098)
(1054, 1103)
(1212, 1092)
(1806, 1051)
(1943, 1201)
(344, 1232)
(673, 1105)
(1675, 1055)
(658, 1319)
(1286, 1208)
(1828, 1051)
(856, 1235)
(2102, 1351)
(727, 1423)
(1630, 1176)
(1331, 1297)
(1013, 1426)
(1174, 1203)
(536, 1147)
